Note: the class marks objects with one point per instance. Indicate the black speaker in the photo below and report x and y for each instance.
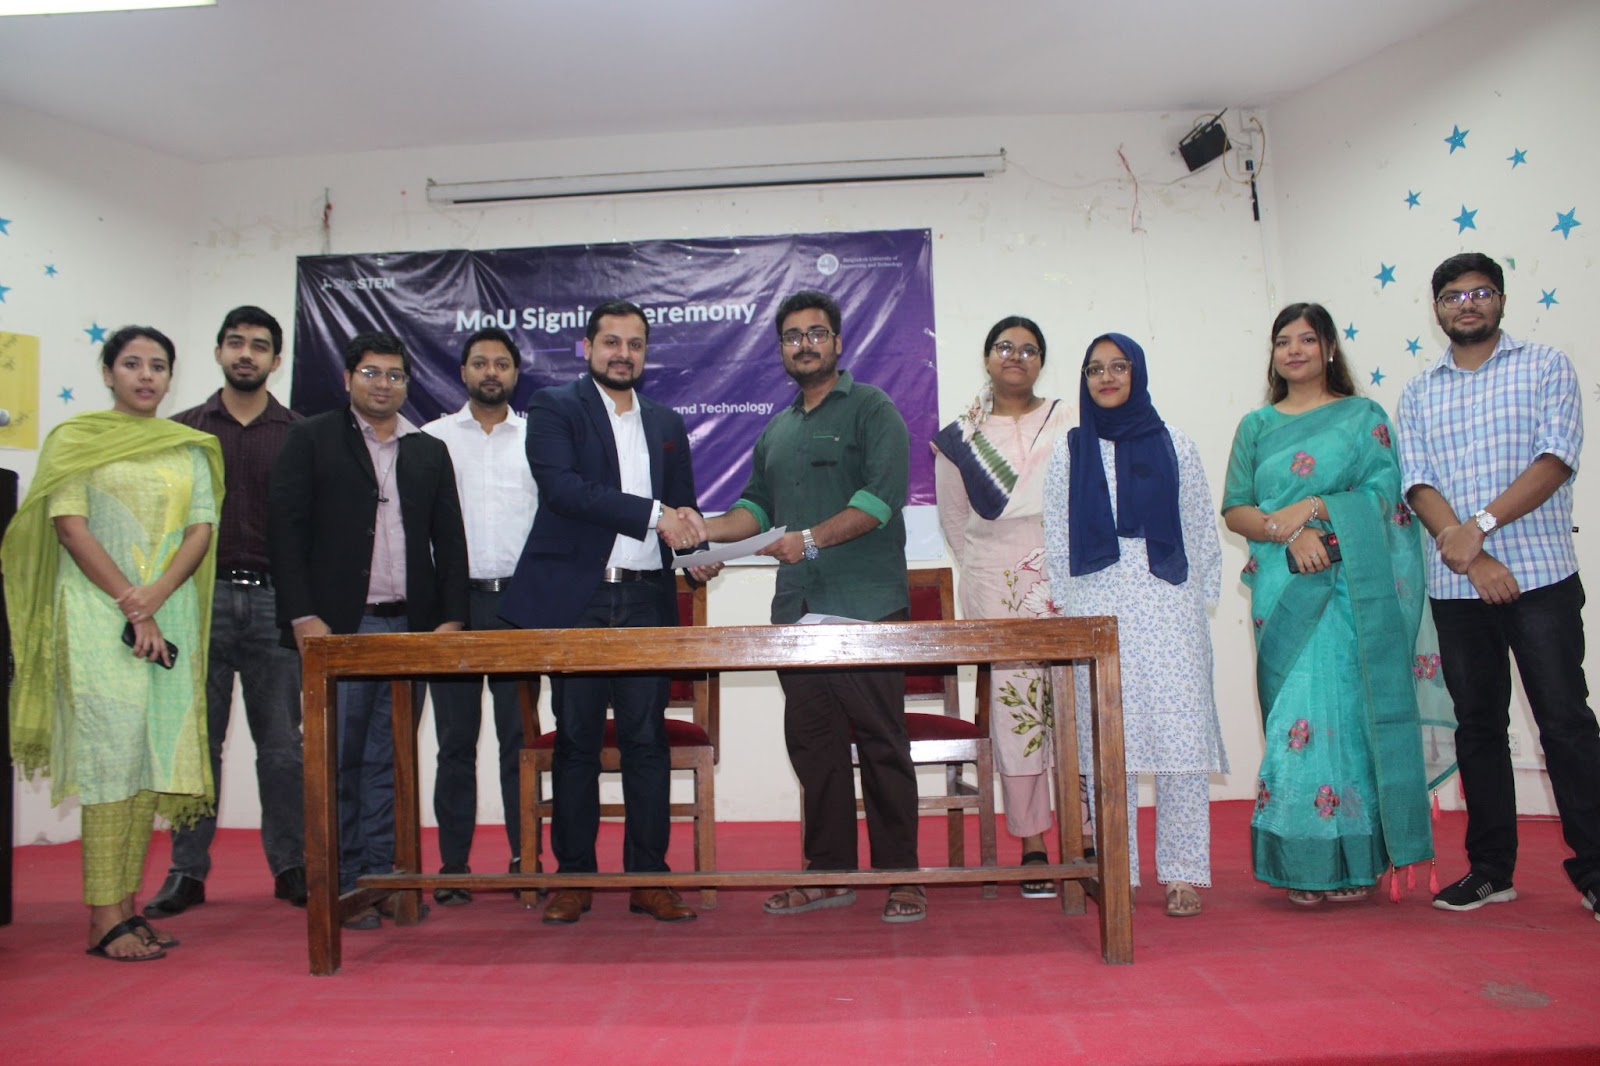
(1204, 143)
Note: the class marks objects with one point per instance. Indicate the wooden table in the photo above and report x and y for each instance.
(407, 658)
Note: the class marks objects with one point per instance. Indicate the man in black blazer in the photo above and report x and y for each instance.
(616, 492)
(366, 537)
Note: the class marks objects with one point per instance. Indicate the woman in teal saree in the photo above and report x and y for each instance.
(1337, 590)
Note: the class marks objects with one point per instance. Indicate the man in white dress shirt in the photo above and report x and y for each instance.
(487, 443)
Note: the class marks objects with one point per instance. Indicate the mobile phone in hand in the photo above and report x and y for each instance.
(1330, 542)
(172, 649)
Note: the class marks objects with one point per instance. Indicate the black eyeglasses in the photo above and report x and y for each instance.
(814, 335)
(1461, 299)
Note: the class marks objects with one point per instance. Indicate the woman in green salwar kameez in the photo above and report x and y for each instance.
(112, 543)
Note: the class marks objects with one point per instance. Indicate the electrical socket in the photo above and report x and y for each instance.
(1514, 741)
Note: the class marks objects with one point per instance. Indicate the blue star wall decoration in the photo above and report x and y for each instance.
(1350, 332)
(4, 222)
(1414, 345)
(1377, 377)
(96, 332)
(3, 290)
(1457, 138)
(1517, 158)
(1384, 276)
(1413, 199)
(50, 270)
(1565, 222)
(66, 395)
(1465, 220)
(1549, 298)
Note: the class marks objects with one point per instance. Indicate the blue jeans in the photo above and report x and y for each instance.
(457, 716)
(638, 703)
(366, 770)
(244, 642)
(1544, 629)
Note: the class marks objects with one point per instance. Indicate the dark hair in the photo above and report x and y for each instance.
(377, 344)
(492, 333)
(617, 309)
(1467, 263)
(1336, 372)
(249, 315)
(805, 300)
(1013, 322)
(119, 340)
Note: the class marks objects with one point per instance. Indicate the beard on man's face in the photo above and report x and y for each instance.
(244, 384)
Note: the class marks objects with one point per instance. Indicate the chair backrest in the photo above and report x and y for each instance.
(933, 599)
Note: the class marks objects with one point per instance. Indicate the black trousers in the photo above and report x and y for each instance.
(457, 717)
(1544, 629)
(638, 703)
(822, 708)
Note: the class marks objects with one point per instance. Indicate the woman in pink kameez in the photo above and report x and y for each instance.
(990, 465)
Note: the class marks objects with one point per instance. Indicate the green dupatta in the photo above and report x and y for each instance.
(30, 556)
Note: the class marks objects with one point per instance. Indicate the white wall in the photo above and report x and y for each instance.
(1345, 154)
(1056, 238)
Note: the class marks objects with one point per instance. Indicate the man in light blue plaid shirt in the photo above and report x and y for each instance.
(1489, 443)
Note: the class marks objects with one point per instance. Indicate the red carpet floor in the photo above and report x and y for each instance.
(1251, 980)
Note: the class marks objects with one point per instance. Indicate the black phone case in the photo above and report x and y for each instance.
(172, 649)
(1331, 542)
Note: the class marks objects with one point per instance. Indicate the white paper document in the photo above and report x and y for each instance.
(722, 553)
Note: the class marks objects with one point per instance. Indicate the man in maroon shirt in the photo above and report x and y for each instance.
(244, 633)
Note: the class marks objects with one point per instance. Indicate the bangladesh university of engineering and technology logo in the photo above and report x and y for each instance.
(827, 264)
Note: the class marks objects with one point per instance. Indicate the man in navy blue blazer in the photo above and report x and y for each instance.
(616, 494)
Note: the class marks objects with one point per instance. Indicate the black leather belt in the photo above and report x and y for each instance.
(393, 609)
(488, 584)
(616, 574)
(253, 578)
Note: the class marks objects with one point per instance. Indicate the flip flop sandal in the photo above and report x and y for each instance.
(784, 902)
(116, 932)
(1037, 889)
(909, 896)
(151, 936)
(1182, 901)
(1305, 898)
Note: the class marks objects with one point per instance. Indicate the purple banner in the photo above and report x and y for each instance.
(713, 343)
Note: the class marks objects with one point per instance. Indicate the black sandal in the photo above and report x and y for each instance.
(116, 932)
(1037, 889)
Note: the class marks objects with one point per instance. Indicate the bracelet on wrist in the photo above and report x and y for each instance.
(1295, 534)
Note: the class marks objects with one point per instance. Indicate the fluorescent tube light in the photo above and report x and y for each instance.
(915, 168)
(78, 7)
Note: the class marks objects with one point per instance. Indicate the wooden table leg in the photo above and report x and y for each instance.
(319, 712)
(407, 697)
(1111, 810)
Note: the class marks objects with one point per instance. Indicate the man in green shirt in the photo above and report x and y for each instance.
(832, 468)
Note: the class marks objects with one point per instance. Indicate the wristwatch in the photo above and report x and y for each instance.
(811, 551)
(1486, 522)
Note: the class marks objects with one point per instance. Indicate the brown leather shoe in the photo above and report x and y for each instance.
(567, 906)
(662, 904)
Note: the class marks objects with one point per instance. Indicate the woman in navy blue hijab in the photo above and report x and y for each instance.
(1130, 531)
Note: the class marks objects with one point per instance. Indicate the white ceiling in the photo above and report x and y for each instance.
(262, 78)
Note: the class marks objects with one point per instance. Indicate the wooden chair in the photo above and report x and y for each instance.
(944, 736)
(693, 741)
